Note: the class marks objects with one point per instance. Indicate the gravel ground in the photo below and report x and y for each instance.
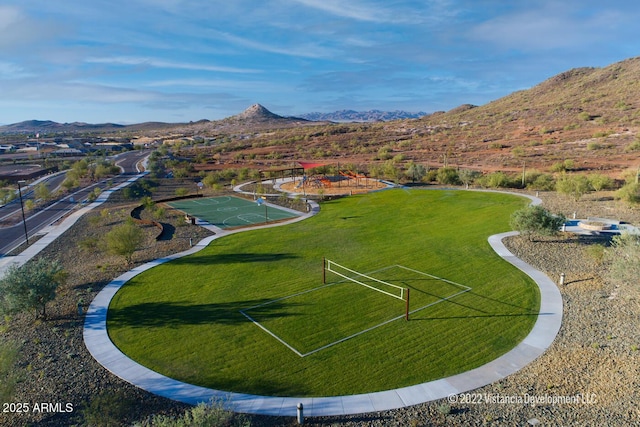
(594, 362)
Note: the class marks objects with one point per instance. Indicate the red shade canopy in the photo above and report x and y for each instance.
(311, 165)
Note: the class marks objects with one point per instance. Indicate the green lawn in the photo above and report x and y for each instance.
(184, 318)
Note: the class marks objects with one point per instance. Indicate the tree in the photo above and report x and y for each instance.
(447, 176)
(415, 171)
(468, 176)
(600, 182)
(573, 185)
(623, 258)
(42, 191)
(535, 220)
(30, 286)
(124, 240)
(630, 193)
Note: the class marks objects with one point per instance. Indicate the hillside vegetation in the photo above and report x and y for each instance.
(588, 116)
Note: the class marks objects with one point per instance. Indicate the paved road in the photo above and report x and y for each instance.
(13, 236)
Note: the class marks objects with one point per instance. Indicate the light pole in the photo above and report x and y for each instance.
(262, 201)
(24, 221)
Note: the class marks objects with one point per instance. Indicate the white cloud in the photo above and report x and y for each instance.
(10, 70)
(304, 50)
(160, 63)
(385, 12)
(18, 29)
(556, 25)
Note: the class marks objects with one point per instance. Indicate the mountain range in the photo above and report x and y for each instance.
(255, 114)
(362, 116)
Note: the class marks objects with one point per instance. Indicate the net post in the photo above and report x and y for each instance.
(406, 315)
(324, 271)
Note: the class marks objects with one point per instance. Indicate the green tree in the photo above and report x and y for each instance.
(629, 193)
(600, 182)
(447, 176)
(6, 195)
(42, 191)
(125, 240)
(31, 286)
(495, 180)
(415, 172)
(543, 182)
(468, 176)
(575, 186)
(536, 220)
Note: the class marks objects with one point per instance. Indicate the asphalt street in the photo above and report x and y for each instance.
(13, 236)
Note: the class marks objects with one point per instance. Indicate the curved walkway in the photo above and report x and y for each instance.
(539, 339)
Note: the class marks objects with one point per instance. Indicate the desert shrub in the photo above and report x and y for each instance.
(8, 374)
(600, 182)
(573, 185)
(124, 240)
(106, 409)
(542, 182)
(499, 180)
(634, 146)
(210, 415)
(536, 220)
(623, 258)
(629, 193)
(447, 176)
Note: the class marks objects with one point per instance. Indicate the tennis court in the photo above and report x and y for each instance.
(229, 211)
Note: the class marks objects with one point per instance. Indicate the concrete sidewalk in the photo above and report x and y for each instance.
(539, 339)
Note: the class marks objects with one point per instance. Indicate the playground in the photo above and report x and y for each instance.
(332, 185)
(323, 179)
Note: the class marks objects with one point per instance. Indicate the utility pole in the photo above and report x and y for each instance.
(24, 221)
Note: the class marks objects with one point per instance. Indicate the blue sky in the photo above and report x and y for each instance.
(129, 61)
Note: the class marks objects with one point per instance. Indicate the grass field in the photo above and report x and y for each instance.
(188, 319)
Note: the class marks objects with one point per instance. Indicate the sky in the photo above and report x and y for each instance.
(131, 61)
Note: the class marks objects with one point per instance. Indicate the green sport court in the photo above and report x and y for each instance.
(229, 212)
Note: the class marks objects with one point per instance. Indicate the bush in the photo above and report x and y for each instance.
(535, 220)
(212, 415)
(624, 263)
(573, 185)
(542, 182)
(499, 180)
(600, 182)
(634, 146)
(124, 240)
(8, 376)
(106, 409)
(447, 176)
(629, 193)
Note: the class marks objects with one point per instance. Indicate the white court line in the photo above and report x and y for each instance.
(386, 322)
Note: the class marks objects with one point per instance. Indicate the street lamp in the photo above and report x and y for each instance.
(24, 221)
